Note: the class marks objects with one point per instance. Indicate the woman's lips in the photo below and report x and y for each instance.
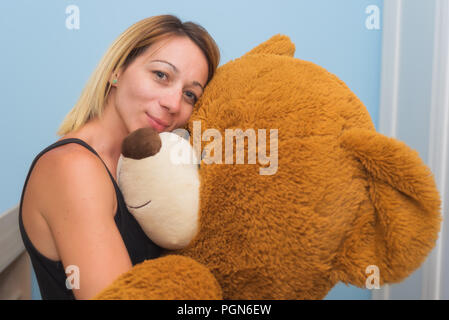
(156, 124)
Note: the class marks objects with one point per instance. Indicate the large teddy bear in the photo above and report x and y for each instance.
(329, 199)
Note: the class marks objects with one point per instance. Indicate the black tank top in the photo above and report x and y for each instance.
(50, 274)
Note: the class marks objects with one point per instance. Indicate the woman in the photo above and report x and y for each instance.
(72, 215)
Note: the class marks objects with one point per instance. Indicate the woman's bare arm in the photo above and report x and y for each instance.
(77, 199)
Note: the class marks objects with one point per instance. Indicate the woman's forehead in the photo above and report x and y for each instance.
(180, 54)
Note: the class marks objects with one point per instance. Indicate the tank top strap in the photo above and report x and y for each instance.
(87, 146)
(73, 140)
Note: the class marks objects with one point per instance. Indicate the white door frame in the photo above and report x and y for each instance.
(434, 281)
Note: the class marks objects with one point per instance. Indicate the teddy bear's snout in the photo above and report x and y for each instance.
(142, 143)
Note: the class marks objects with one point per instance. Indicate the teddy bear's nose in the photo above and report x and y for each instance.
(142, 143)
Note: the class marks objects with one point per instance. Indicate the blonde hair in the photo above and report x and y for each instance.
(128, 46)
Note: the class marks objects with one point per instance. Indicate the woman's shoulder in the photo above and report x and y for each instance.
(71, 170)
(68, 154)
(69, 161)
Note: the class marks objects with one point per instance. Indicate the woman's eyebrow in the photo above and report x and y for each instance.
(163, 61)
(195, 83)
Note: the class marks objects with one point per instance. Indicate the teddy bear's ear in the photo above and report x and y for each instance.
(278, 44)
(397, 224)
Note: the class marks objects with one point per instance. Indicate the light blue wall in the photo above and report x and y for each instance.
(44, 65)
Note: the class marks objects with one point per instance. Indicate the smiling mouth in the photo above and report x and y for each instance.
(156, 124)
(138, 207)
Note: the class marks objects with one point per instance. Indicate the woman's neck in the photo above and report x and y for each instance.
(105, 135)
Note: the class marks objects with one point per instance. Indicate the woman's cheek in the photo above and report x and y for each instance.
(139, 90)
(183, 118)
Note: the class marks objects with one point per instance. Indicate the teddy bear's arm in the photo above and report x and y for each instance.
(171, 277)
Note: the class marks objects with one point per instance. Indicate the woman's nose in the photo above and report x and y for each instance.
(172, 100)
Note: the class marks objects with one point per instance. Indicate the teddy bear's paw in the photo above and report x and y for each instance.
(171, 277)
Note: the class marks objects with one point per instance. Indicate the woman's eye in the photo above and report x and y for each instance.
(191, 96)
(160, 75)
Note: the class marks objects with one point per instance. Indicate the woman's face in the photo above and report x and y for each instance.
(160, 87)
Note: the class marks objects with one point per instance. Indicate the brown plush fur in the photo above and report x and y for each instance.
(344, 197)
(185, 278)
